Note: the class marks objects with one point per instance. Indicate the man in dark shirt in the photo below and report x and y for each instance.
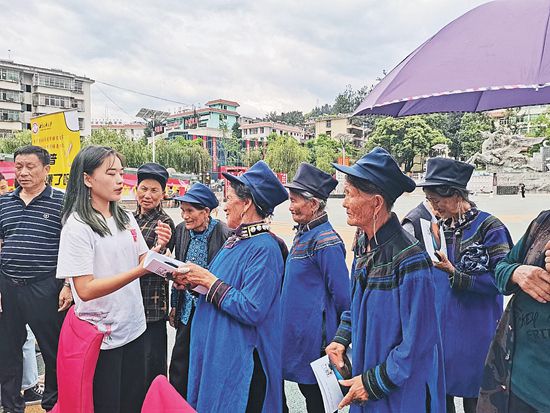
(30, 225)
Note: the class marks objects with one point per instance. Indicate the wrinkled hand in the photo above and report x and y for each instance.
(172, 317)
(335, 352)
(356, 394)
(444, 264)
(196, 275)
(534, 281)
(65, 299)
(164, 233)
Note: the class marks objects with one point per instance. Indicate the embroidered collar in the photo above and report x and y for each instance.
(465, 219)
(245, 231)
(301, 228)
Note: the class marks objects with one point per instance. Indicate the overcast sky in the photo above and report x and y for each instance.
(267, 55)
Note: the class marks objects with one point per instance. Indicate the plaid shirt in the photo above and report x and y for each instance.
(154, 289)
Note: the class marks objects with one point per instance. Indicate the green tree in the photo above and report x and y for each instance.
(284, 154)
(405, 138)
(253, 156)
(322, 151)
(184, 155)
(449, 125)
(18, 139)
(469, 136)
(136, 153)
(346, 101)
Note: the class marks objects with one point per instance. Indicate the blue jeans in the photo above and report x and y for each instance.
(30, 366)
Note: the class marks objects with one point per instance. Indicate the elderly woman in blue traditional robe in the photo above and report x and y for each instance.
(471, 304)
(316, 283)
(235, 363)
(392, 325)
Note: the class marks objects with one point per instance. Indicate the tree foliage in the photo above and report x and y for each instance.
(294, 117)
(253, 156)
(284, 154)
(405, 138)
(10, 144)
(182, 155)
(322, 151)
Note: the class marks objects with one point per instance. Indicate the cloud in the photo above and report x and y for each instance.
(268, 55)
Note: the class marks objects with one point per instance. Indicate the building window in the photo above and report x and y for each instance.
(80, 123)
(327, 133)
(10, 96)
(261, 130)
(54, 101)
(7, 115)
(78, 104)
(56, 82)
(328, 123)
(28, 88)
(9, 75)
(78, 86)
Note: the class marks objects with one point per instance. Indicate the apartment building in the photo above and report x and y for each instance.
(334, 125)
(27, 91)
(259, 131)
(133, 130)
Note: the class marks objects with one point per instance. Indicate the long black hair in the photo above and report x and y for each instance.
(77, 196)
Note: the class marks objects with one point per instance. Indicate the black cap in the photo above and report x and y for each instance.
(153, 171)
(445, 171)
(200, 194)
(264, 185)
(311, 179)
(379, 167)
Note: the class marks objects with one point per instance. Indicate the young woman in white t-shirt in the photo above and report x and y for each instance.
(100, 252)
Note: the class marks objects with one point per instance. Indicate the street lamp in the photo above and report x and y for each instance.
(152, 116)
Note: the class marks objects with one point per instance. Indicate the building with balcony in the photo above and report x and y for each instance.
(134, 131)
(255, 134)
(217, 114)
(28, 91)
(343, 125)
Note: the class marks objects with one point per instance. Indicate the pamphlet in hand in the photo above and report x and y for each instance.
(327, 378)
(164, 266)
(428, 238)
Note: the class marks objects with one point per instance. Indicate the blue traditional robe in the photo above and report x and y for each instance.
(227, 330)
(315, 293)
(472, 304)
(392, 325)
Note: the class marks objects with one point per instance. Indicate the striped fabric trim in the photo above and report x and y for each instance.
(217, 293)
(322, 240)
(377, 383)
(343, 334)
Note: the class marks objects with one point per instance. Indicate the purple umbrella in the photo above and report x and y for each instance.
(495, 56)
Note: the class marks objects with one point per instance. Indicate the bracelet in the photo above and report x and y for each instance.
(66, 284)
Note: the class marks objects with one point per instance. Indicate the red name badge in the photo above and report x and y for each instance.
(134, 234)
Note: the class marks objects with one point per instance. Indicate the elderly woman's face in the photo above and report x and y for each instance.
(359, 206)
(302, 210)
(444, 207)
(149, 194)
(195, 219)
(234, 208)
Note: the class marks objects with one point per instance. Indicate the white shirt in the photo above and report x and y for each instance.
(120, 315)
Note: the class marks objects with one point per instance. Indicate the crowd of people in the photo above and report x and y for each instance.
(418, 310)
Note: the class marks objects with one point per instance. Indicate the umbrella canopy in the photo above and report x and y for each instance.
(495, 56)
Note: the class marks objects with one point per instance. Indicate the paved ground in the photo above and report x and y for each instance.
(514, 211)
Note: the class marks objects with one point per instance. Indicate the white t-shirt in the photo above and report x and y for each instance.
(120, 315)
